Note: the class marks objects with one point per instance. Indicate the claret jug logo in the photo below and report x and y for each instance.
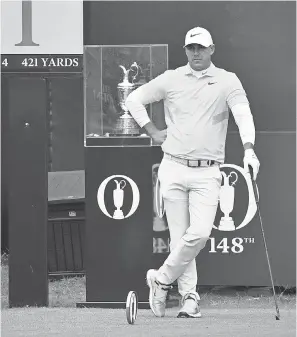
(118, 197)
(237, 203)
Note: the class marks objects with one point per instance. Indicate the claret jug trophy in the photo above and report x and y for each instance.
(125, 124)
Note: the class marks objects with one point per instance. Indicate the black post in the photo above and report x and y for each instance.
(27, 201)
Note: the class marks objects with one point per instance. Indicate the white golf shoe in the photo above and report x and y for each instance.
(158, 293)
(190, 307)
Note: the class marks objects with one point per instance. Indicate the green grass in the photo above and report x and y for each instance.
(4, 281)
(67, 292)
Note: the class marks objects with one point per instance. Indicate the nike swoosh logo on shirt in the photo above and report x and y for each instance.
(210, 83)
(192, 35)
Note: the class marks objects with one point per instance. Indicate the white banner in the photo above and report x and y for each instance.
(41, 27)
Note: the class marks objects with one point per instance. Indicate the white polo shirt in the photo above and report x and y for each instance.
(196, 109)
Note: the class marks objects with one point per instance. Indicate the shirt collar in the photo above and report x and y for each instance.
(210, 71)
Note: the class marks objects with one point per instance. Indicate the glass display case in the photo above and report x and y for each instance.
(110, 74)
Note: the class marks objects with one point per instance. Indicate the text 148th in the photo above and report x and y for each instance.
(235, 245)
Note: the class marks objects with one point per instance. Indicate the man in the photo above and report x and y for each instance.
(197, 98)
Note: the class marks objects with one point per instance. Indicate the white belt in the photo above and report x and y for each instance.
(192, 162)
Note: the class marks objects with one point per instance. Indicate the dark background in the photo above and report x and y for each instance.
(256, 40)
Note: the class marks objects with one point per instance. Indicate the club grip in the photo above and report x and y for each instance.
(255, 187)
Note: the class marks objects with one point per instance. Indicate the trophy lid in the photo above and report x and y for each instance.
(126, 83)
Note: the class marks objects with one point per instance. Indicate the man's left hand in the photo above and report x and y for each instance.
(250, 159)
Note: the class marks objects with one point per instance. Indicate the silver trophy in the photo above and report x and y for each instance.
(125, 124)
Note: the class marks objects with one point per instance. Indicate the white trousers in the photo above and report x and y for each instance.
(190, 199)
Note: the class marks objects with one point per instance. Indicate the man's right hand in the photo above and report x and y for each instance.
(159, 136)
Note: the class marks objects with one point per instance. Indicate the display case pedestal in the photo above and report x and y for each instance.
(118, 251)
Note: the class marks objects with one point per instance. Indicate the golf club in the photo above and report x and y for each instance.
(256, 193)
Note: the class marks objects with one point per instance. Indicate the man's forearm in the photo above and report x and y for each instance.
(138, 112)
(244, 120)
(150, 92)
(150, 128)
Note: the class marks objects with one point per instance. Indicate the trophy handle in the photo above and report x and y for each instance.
(122, 184)
(236, 177)
(125, 72)
(135, 65)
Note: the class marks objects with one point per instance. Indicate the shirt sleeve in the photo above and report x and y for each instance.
(235, 92)
(151, 92)
(244, 119)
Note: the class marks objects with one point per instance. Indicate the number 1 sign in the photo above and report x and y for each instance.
(27, 25)
(41, 27)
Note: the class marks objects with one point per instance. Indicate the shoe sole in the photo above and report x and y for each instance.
(186, 315)
(149, 282)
